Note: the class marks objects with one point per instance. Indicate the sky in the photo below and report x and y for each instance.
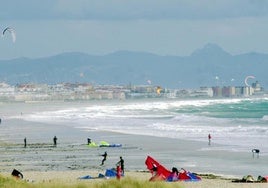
(164, 27)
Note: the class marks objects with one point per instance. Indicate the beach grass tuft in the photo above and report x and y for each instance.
(8, 182)
(133, 183)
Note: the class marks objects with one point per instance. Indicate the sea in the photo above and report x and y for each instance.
(237, 125)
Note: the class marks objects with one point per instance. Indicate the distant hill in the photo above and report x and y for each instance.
(208, 66)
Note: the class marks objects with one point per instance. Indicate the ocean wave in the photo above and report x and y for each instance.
(189, 119)
(265, 117)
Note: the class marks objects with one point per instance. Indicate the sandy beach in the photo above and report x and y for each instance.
(40, 161)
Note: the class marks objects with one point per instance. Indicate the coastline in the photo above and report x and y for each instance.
(72, 158)
(61, 164)
(73, 153)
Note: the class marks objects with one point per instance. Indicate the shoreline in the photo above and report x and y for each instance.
(41, 161)
(69, 176)
(73, 153)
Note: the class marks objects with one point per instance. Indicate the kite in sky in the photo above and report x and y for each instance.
(11, 31)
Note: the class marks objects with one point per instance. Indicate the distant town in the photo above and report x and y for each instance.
(86, 91)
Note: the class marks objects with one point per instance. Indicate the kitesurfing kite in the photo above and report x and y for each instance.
(160, 172)
(11, 31)
(246, 80)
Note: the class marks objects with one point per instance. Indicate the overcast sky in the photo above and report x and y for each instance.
(164, 27)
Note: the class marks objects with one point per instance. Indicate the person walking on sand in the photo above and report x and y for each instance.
(121, 164)
(209, 139)
(55, 141)
(104, 158)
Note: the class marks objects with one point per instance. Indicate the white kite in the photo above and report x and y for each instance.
(246, 80)
(11, 31)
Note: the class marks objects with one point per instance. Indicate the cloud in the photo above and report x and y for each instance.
(132, 9)
(161, 9)
(26, 9)
(174, 27)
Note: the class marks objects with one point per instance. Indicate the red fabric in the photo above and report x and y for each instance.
(183, 176)
(160, 177)
(118, 172)
(161, 170)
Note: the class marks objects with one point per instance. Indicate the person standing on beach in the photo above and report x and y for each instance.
(104, 158)
(55, 141)
(121, 164)
(88, 141)
(209, 139)
(25, 142)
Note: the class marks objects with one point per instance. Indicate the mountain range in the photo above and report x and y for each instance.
(207, 66)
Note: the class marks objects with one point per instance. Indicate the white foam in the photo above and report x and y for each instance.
(160, 118)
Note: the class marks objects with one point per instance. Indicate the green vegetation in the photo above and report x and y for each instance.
(113, 183)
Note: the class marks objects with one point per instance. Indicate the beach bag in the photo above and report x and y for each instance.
(17, 174)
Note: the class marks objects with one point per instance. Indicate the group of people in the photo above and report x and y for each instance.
(120, 163)
(54, 141)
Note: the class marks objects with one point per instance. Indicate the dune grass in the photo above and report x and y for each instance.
(133, 183)
(7, 182)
